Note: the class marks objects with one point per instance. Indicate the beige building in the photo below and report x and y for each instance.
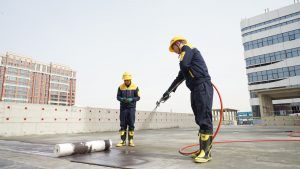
(25, 80)
(229, 116)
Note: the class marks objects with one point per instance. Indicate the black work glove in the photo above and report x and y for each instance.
(166, 95)
(174, 89)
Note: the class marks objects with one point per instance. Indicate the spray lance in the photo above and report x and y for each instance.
(166, 96)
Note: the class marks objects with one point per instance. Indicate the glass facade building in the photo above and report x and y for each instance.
(271, 43)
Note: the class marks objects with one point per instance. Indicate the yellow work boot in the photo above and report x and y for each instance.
(130, 138)
(205, 149)
(122, 143)
(194, 155)
(123, 138)
(131, 143)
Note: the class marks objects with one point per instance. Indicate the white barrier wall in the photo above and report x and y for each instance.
(18, 119)
(281, 121)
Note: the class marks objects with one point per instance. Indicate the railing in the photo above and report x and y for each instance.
(287, 113)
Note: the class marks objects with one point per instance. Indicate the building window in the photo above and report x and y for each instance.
(274, 20)
(270, 58)
(273, 74)
(23, 81)
(285, 72)
(24, 73)
(11, 80)
(269, 74)
(292, 71)
(287, 36)
(12, 71)
(256, 111)
(297, 70)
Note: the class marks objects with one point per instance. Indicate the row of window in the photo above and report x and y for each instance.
(273, 74)
(282, 37)
(13, 95)
(10, 92)
(18, 101)
(19, 88)
(37, 67)
(62, 72)
(10, 87)
(18, 63)
(12, 70)
(26, 73)
(272, 57)
(53, 99)
(60, 100)
(40, 84)
(271, 21)
(271, 27)
(15, 71)
(59, 79)
(22, 93)
(59, 86)
(11, 79)
(15, 80)
(40, 94)
(56, 93)
(14, 89)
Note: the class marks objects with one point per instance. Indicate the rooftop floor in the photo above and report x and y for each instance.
(157, 149)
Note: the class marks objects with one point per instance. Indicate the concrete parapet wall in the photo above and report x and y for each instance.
(18, 119)
(281, 121)
(225, 122)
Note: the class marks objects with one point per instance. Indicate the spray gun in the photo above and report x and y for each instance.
(166, 97)
(161, 100)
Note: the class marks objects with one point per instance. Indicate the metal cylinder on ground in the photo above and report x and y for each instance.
(81, 147)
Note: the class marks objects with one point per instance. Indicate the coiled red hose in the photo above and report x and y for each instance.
(181, 150)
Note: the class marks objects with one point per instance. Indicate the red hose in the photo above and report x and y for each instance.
(221, 111)
(181, 150)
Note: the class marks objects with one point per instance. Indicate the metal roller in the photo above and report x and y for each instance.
(82, 147)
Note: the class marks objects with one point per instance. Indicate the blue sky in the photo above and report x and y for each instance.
(101, 39)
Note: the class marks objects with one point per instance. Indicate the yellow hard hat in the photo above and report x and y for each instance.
(174, 39)
(126, 76)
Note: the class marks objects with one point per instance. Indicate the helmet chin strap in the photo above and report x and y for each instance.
(178, 46)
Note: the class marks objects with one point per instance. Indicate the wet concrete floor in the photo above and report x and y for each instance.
(157, 149)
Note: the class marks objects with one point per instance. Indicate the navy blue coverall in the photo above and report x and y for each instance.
(127, 109)
(194, 71)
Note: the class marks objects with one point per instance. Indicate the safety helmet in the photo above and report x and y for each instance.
(126, 76)
(174, 39)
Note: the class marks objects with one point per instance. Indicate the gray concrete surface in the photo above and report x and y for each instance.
(158, 149)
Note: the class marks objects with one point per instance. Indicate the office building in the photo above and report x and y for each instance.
(272, 54)
(25, 80)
